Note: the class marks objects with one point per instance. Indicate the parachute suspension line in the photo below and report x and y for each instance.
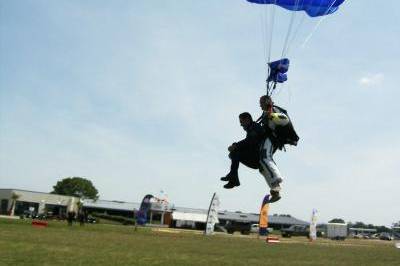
(303, 17)
(271, 34)
(263, 19)
(286, 43)
(289, 31)
(277, 70)
(271, 31)
(265, 25)
(318, 24)
(312, 32)
(271, 88)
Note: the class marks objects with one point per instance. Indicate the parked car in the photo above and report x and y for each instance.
(91, 220)
(297, 230)
(374, 236)
(255, 228)
(385, 236)
(233, 226)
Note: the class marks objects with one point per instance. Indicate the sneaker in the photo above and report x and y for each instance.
(232, 184)
(274, 196)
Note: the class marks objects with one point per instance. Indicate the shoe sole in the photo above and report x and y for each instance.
(236, 185)
(272, 200)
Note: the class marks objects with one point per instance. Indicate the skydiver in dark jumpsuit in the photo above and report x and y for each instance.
(245, 151)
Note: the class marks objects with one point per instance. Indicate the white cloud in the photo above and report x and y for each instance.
(371, 80)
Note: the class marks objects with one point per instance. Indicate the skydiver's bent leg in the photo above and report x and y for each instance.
(232, 176)
(251, 157)
(235, 160)
(248, 157)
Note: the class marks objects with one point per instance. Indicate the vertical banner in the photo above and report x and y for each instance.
(212, 215)
(263, 221)
(396, 234)
(313, 225)
(141, 215)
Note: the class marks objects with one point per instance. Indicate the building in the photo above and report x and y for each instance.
(181, 217)
(189, 218)
(196, 218)
(119, 208)
(33, 202)
(158, 213)
(361, 231)
(274, 221)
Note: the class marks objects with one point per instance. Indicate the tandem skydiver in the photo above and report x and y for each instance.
(273, 131)
(278, 132)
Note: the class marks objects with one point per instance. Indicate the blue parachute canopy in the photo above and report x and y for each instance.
(278, 70)
(314, 8)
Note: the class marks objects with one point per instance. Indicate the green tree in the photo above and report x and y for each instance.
(382, 228)
(379, 229)
(358, 225)
(77, 187)
(337, 220)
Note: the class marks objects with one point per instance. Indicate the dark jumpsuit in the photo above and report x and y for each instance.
(247, 150)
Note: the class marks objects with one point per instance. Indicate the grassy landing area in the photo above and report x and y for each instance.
(58, 244)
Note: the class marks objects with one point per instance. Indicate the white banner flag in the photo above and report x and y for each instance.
(313, 225)
(212, 216)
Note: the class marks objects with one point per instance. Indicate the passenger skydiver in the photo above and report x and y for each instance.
(245, 151)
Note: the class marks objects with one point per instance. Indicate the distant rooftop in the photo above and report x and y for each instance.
(113, 205)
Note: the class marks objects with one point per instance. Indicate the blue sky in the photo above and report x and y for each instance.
(143, 96)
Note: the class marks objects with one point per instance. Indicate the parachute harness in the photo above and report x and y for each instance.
(270, 88)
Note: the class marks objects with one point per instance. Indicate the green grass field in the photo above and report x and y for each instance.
(58, 244)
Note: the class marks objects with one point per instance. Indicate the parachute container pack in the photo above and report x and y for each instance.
(278, 70)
